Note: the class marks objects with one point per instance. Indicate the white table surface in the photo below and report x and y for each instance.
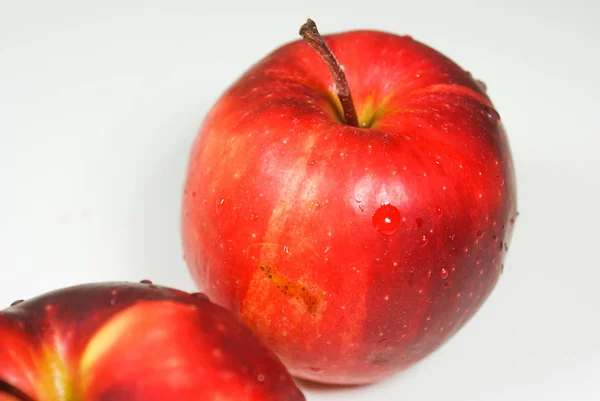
(99, 105)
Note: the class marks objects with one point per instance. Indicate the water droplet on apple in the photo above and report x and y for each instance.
(419, 222)
(261, 378)
(145, 282)
(495, 237)
(253, 217)
(17, 302)
(438, 210)
(428, 274)
(493, 115)
(479, 234)
(113, 302)
(443, 273)
(200, 296)
(423, 240)
(386, 219)
(500, 180)
(314, 370)
(482, 85)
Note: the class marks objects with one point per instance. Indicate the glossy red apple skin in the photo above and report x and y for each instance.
(352, 252)
(129, 342)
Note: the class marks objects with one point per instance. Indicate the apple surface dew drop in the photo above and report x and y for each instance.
(201, 296)
(387, 219)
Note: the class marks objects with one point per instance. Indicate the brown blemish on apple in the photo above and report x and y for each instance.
(377, 359)
(290, 288)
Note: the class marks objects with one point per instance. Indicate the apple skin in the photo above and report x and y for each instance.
(129, 342)
(352, 252)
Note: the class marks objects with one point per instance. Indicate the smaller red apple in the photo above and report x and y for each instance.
(133, 342)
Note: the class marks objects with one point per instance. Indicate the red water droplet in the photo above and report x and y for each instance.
(386, 219)
(419, 222)
(423, 240)
(428, 273)
(443, 273)
(146, 282)
(17, 302)
(493, 115)
(481, 85)
(479, 234)
(200, 296)
(253, 217)
(438, 210)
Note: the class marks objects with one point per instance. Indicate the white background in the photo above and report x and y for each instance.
(100, 101)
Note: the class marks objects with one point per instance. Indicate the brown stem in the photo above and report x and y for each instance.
(11, 390)
(311, 34)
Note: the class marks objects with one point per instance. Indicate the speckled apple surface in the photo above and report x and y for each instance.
(352, 251)
(100, 103)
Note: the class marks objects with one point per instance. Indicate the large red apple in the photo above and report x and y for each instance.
(133, 342)
(354, 229)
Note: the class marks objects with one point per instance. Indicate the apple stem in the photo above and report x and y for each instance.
(11, 390)
(311, 34)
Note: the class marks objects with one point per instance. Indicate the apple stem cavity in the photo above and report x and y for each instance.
(6, 388)
(310, 34)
